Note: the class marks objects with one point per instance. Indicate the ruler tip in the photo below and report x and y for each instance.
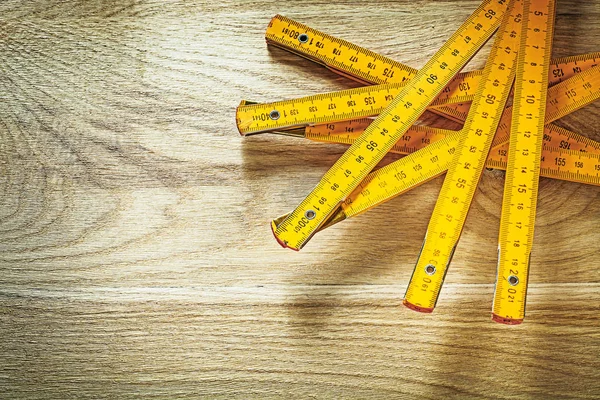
(506, 321)
(416, 308)
(282, 243)
(241, 126)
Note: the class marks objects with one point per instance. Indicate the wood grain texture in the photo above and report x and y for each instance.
(136, 258)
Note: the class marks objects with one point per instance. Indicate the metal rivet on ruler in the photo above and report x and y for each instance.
(430, 269)
(310, 214)
(513, 280)
(303, 38)
(274, 115)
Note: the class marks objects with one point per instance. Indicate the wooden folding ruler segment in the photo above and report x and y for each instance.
(524, 157)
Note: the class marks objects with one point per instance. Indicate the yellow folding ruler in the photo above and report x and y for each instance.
(390, 125)
(402, 96)
(524, 157)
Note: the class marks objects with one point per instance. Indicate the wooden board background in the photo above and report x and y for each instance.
(136, 258)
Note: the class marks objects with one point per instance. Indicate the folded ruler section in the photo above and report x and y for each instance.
(524, 157)
(467, 165)
(518, 138)
(392, 123)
